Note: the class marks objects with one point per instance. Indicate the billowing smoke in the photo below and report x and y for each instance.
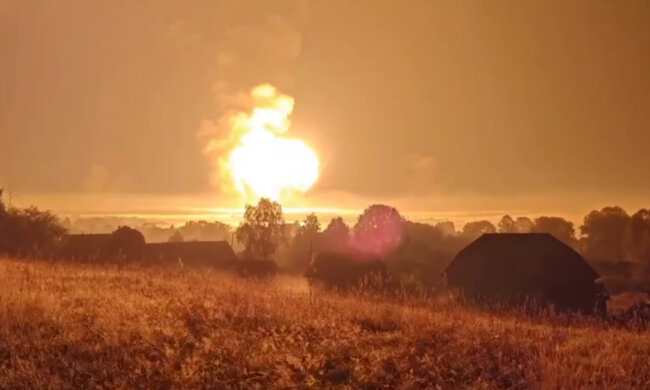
(247, 145)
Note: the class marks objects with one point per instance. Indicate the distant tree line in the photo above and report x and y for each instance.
(409, 248)
(30, 232)
(189, 231)
(420, 250)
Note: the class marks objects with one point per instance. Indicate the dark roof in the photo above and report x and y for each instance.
(206, 252)
(532, 254)
(87, 238)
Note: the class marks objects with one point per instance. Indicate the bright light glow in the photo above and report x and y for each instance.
(263, 162)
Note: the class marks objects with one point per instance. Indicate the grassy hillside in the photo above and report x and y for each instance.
(72, 326)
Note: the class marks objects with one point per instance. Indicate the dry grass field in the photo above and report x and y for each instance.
(86, 327)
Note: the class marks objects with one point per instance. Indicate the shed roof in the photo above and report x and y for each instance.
(520, 253)
(204, 251)
(84, 245)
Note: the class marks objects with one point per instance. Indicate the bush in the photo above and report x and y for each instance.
(29, 232)
(126, 244)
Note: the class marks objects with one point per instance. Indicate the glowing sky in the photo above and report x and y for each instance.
(430, 105)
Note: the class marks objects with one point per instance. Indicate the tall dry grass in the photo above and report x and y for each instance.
(74, 326)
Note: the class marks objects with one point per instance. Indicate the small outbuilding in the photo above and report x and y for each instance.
(347, 269)
(514, 269)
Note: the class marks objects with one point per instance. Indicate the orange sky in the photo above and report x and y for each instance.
(433, 106)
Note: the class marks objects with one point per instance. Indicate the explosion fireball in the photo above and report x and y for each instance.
(262, 161)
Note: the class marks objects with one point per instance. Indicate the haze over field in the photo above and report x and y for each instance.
(444, 110)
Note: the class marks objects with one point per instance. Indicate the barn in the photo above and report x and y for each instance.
(193, 253)
(513, 269)
(85, 246)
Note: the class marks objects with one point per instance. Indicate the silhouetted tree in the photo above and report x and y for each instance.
(379, 230)
(29, 232)
(304, 241)
(447, 228)
(336, 235)
(310, 225)
(473, 230)
(603, 232)
(636, 240)
(261, 231)
(561, 228)
(520, 225)
(424, 232)
(126, 244)
(422, 256)
(176, 237)
(524, 225)
(507, 225)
